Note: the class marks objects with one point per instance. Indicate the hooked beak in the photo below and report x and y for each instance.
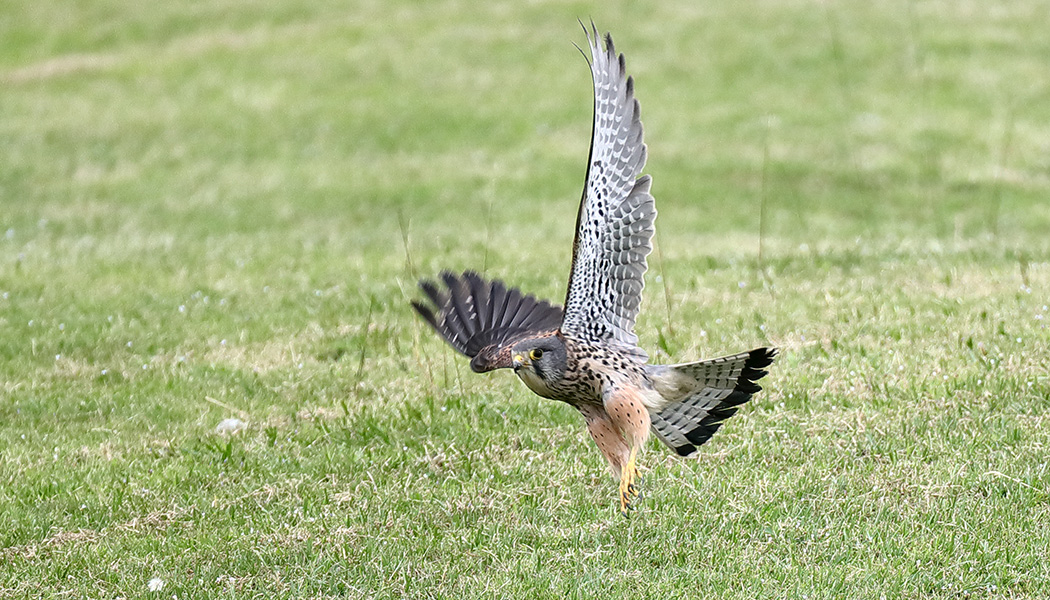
(519, 361)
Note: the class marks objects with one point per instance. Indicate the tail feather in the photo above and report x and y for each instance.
(703, 394)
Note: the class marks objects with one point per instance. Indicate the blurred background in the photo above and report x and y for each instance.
(219, 210)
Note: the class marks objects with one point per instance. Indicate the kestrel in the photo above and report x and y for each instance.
(587, 354)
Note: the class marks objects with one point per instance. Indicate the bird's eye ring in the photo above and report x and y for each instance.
(535, 354)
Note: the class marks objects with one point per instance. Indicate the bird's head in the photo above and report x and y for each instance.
(542, 358)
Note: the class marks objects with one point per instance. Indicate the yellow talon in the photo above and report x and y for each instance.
(628, 489)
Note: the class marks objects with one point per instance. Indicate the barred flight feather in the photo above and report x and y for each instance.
(615, 223)
(482, 318)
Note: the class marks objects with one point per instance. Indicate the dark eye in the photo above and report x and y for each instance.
(535, 354)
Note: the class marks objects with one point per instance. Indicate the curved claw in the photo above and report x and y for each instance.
(629, 479)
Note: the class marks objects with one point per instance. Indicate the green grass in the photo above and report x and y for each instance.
(215, 210)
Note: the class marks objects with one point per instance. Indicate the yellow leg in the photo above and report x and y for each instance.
(628, 489)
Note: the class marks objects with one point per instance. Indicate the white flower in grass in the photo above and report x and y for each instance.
(156, 584)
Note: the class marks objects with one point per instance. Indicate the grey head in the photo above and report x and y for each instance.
(540, 362)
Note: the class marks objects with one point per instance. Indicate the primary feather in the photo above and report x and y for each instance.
(615, 223)
(482, 319)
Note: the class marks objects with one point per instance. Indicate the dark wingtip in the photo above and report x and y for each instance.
(427, 286)
(685, 450)
(747, 387)
(762, 357)
(583, 53)
(702, 433)
(449, 278)
(425, 312)
(753, 374)
(754, 369)
(477, 316)
(480, 364)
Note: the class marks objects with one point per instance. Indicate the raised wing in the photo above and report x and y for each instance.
(614, 227)
(483, 319)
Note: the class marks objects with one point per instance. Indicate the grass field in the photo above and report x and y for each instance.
(219, 210)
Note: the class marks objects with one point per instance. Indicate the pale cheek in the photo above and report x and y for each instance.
(533, 381)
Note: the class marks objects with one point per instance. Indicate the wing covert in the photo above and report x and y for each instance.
(615, 223)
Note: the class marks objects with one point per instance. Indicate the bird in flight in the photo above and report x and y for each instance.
(586, 354)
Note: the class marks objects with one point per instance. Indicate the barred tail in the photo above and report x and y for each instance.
(702, 394)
